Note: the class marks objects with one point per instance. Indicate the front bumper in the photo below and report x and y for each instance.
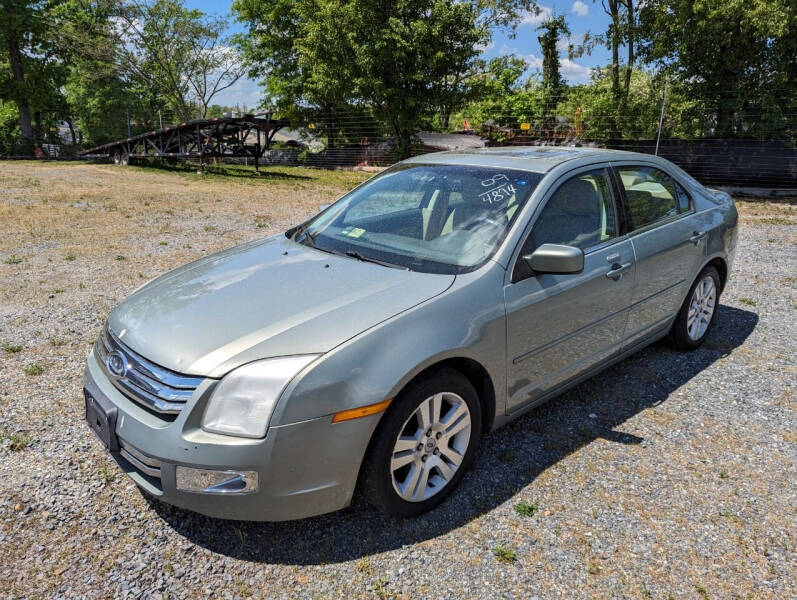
(304, 469)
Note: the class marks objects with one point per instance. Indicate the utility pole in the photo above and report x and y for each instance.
(661, 118)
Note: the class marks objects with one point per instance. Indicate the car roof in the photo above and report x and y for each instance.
(539, 159)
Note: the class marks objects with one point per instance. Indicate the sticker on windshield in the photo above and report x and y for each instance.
(355, 232)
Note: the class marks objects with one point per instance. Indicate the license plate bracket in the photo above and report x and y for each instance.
(101, 417)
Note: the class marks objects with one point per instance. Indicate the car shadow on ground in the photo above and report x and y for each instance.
(509, 460)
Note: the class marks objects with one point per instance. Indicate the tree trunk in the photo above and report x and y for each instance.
(445, 117)
(15, 59)
(614, 11)
(631, 25)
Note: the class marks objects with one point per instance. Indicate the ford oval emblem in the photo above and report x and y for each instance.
(117, 363)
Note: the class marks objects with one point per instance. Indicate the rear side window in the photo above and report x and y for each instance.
(652, 195)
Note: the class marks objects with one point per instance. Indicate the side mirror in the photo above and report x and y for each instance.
(323, 207)
(556, 258)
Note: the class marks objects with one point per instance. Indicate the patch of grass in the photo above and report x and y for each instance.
(263, 221)
(363, 566)
(526, 509)
(702, 592)
(107, 475)
(209, 228)
(57, 342)
(19, 441)
(12, 348)
(644, 591)
(775, 221)
(12, 259)
(723, 474)
(121, 257)
(747, 301)
(503, 554)
(34, 369)
(163, 243)
(70, 256)
(594, 568)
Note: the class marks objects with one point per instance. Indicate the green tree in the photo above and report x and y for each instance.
(552, 83)
(26, 45)
(739, 57)
(401, 61)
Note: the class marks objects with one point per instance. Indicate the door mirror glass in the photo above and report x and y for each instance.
(556, 258)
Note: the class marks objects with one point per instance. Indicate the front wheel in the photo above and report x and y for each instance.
(424, 445)
(698, 312)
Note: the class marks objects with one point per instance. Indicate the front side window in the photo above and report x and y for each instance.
(430, 218)
(580, 213)
(652, 195)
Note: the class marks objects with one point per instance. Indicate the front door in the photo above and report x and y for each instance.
(559, 326)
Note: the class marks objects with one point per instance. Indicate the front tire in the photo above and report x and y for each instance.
(424, 445)
(698, 312)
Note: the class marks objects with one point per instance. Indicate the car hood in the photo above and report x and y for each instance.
(272, 297)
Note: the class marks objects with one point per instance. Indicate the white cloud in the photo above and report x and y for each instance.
(532, 61)
(244, 91)
(579, 9)
(484, 47)
(532, 18)
(575, 72)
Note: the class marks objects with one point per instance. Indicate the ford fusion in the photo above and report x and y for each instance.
(369, 348)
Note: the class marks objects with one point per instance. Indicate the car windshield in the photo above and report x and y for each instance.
(429, 218)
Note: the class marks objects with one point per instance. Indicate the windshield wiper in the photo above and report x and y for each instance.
(358, 256)
(302, 229)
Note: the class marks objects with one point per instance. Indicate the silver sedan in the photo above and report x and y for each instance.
(369, 348)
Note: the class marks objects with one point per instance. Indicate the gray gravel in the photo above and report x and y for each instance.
(669, 475)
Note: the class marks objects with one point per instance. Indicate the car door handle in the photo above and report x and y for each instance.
(697, 236)
(618, 270)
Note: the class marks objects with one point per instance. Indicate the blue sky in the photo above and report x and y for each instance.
(582, 16)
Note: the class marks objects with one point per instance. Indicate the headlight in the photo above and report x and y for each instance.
(244, 399)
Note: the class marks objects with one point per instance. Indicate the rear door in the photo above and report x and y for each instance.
(559, 326)
(668, 245)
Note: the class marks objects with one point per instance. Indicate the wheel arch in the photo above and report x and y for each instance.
(721, 265)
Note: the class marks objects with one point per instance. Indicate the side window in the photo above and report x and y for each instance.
(651, 194)
(580, 213)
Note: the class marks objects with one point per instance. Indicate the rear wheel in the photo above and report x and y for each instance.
(424, 445)
(698, 312)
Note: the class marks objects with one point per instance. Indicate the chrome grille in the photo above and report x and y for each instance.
(154, 387)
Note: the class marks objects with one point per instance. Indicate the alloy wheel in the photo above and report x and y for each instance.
(701, 308)
(430, 447)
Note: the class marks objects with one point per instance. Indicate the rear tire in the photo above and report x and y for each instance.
(424, 445)
(698, 312)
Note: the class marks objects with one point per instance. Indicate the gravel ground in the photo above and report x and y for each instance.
(668, 476)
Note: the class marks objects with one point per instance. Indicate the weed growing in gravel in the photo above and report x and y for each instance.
(12, 260)
(121, 257)
(791, 280)
(19, 441)
(107, 475)
(34, 369)
(57, 342)
(364, 566)
(12, 348)
(645, 591)
(70, 256)
(723, 474)
(209, 228)
(525, 509)
(380, 589)
(702, 592)
(594, 568)
(263, 221)
(747, 301)
(504, 555)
